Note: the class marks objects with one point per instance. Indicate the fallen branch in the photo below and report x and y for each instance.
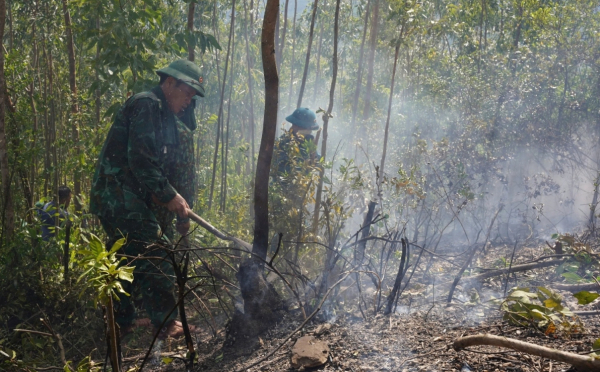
(587, 313)
(582, 363)
(575, 287)
(514, 269)
(213, 230)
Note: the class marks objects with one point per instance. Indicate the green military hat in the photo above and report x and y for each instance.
(185, 71)
(304, 118)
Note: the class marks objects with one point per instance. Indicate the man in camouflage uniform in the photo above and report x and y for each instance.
(294, 157)
(144, 178)
(296, 148)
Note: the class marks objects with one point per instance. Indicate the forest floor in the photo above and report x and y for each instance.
(417, 337)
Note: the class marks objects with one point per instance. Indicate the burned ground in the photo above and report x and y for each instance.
(417, 337)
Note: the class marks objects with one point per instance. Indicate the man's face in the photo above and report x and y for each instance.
(179, 96)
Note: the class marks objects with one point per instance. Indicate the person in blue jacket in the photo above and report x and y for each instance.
(50, 211)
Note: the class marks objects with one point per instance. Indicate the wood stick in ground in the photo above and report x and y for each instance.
(514, 269)
(581, 362)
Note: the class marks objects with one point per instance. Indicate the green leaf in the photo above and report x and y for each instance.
(551, 303)
(538, 314)
(118, 244)
(596, 344)
(167, 360)
(585, 297)
(546, 291)
(572, 277)
(96, 245)
(126, 273)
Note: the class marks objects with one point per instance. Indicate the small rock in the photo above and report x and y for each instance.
(309, 353)
(322, 328)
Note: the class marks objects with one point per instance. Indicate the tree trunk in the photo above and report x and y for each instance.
(371, 62)
(293, 55)
(225, 147)
(307, 61)
(279, 50)
(220, 114)
(317, 76)
(97, 93)
(250, 88)
(8, 215)
(74, 106)
(360, 68)
(190, 27)
(261, 301)
(34, 71)
(263, 168)
(387, 121)
(399, 276)
(327, 115)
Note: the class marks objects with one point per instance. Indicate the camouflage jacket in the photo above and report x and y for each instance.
(148, 151)
(294, 152)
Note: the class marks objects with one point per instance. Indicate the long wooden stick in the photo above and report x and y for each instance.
(581, 362)
(213, 230)
(575, 287)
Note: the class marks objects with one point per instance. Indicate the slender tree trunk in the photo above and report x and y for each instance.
(34, 134)
(277, 26)
(371, 61)
(261, 301)
(250, 86)
(307, 61)
(265, 155)
(226, 136)
(279, 50)
(387, 121)
(11, 34)
(317, 76)
(293, 60)
(8, 215)
(97, 93)
(220, 115)
(47, 162)
(74, 106)
(190, 27)
(327, 115)
(55, 167)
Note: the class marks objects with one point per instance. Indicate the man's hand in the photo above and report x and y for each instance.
(177, 205)
(183, 228)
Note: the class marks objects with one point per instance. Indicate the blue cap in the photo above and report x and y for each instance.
(304, 118)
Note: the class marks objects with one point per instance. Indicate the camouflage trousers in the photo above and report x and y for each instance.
(153, 279)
